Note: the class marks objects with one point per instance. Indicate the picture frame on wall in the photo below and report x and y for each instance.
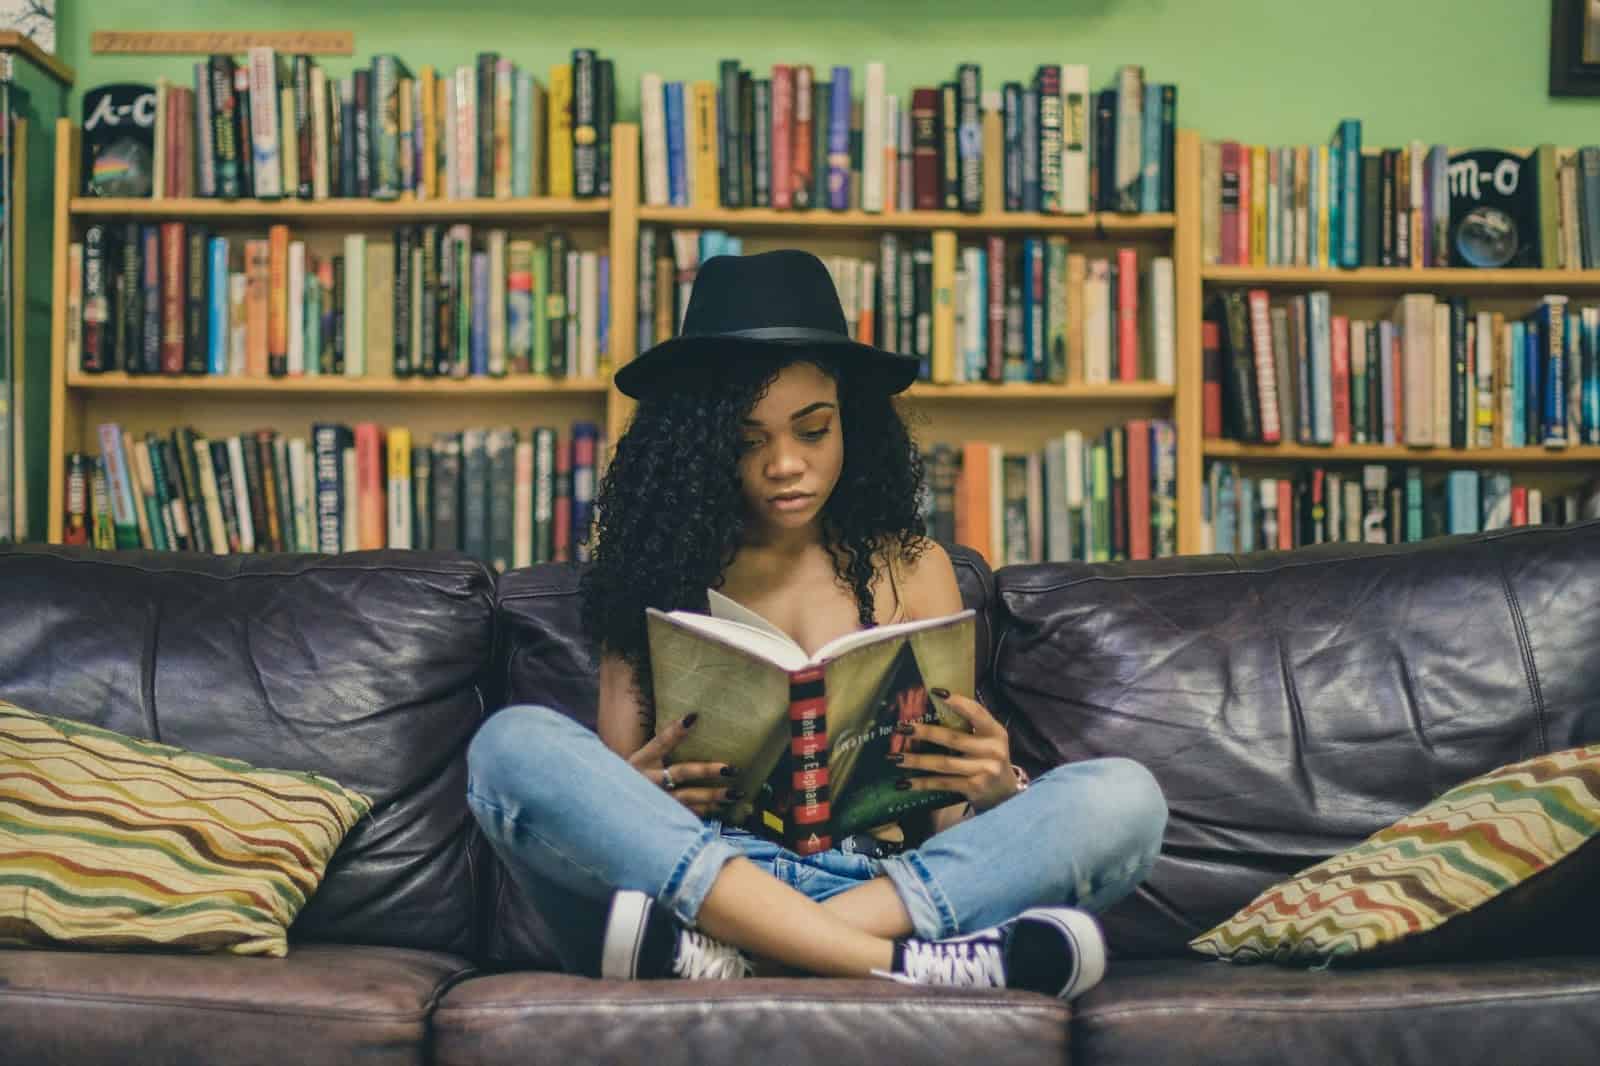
(1575, 48)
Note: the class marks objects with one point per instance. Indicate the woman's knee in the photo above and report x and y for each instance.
(507, 747)
(1117, 794)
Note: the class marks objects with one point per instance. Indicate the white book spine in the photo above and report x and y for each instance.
(210, 496)
(652, 117)
(297, 308)
(350, 515)
(241, 496)
(589, 314)
(1163, 284)
(320, 170)
(299, 494)
(872, 139)
(266, 164)
(497, 301)
(1075, 138)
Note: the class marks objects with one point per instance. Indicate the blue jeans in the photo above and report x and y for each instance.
(572, 821)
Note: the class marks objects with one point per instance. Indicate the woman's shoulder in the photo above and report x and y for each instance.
(926, 583)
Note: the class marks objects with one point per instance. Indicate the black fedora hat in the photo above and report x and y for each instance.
(751, 306)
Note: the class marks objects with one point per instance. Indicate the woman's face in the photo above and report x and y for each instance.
(792, 450)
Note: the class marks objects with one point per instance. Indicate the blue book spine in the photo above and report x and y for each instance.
(1591, 377)
(217, 317)
(839, 140)
(1462, 497)
(1516, 431)
(1414, 507)
(1321, 368)
(1532, 381)
(1150, 152)
(1030, 149)
(522, 134)
(1555, 370)
(480, 314)
(583, 486)
(1350, 193)
(1335, 203)
(677, 162)
(602, 332)
(328, 457)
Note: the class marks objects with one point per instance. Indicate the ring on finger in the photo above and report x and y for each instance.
(666, 779)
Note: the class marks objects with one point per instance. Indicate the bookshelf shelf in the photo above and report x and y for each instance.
(1122, 391)
(336, 212)
(1397, 279)
(761, 218)
(428, 389)
(1386, 453)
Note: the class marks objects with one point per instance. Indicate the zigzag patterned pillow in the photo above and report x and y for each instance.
(108, 841)
(1493, 866)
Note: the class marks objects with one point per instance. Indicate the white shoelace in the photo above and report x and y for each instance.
(700, 958)
(962, 963)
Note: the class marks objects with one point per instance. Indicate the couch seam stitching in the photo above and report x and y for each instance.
(1524, 645)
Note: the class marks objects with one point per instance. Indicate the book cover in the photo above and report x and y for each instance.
(808, 734)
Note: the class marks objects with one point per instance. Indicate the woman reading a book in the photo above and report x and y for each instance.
(766, 461)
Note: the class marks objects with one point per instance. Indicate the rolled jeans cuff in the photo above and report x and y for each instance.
(932, 916)
(694, 874)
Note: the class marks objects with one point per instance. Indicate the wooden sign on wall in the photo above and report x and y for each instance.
(213, 42)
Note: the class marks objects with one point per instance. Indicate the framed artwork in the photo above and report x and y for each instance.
(1575, 48)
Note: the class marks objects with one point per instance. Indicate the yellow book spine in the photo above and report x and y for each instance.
(943, 368)
(1322, 206)
(560, 130)
(430, 134)
(705, 147)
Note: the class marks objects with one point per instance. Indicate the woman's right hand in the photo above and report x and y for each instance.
(699, 786)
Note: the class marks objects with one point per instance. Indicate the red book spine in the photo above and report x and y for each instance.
(174, 280)
(561, 540)
(1266, 367)
(800, 154)
(372, 492)
(1211, 346)
(1128, 314)
(807, 830)
(925, 149)
(1285, 514)
(782, 135)
(1341, 379)
(1519, 505)
(1138, 476)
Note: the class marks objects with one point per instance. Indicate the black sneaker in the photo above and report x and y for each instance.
(1059, 951)
(645, 943)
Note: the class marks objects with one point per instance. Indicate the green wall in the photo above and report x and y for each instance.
(1460, 72)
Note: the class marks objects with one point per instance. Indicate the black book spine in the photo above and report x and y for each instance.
(1169, 156)
(147, 332)
(99, 326)
(1458, 372)
(728, 122)
(1011, 95)
(949, 147)
(761, 169)
(425, 361)
(559, 298)
(361, 112)
(338, 314)
(302, 126)
(970, 78)
(196, 341)
(402, 301)
(222, 470)
(585, 118)
(241, 121)
(224, 125)
(606, 102)
(485, 138)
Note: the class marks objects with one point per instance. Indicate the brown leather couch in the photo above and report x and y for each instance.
(1289, 704)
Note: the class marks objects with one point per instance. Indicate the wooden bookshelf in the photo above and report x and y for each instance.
(1388, 453)
(218, 405)
(1405, 279)
(1115, 392)
(761, 218)
(428, 389)
(341, 212)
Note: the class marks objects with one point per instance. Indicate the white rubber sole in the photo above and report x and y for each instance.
(625, 926)
(1088, 946)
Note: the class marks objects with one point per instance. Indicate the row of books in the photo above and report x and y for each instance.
(508, 497)
(800, 138)
(430, 300)
(1093, 497)
(14, 430)
(1375, 504)
(990, 308)
(1338, 204)
(1434, 373)
(279, 125)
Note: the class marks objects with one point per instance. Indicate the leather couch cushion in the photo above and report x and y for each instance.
(363, 667)
(1291, 705)
(532, 1018)
(1543, 1010)
(324, 1003)
(546, 661)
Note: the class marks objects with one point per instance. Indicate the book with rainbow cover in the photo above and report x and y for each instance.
(808, 734)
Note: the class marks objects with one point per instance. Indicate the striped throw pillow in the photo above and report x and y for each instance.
(111, 842)
(1483, 869)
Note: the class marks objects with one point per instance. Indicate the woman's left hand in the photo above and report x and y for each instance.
(980, 766)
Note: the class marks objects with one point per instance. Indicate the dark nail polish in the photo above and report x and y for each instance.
(895, 757)
(735, 793)
(729, 771)
(906, 729)
(942, 693)
(901, 785)
(690, 719)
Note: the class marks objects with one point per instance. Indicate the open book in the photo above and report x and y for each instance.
(808, 734)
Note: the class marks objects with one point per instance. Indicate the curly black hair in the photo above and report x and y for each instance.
(670, 515)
